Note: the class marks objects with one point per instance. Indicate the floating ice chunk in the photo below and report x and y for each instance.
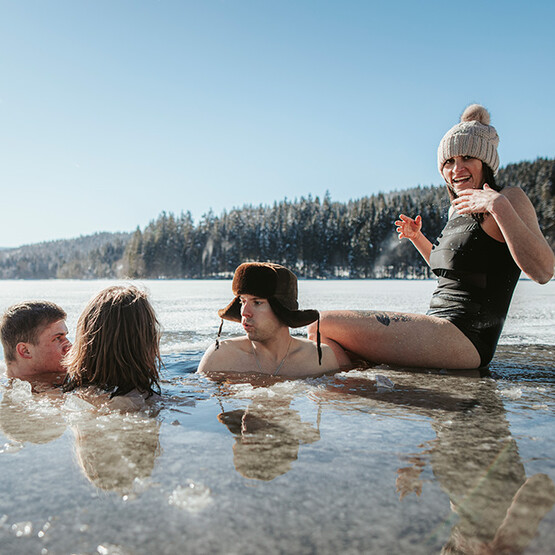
(44, 529)
(21, 391)
(193, 497)
(110, 549)
(74, 403)
(242, 389)
(11, 447)
(44, 407)
(132, 401)
(512, 393)
(22, 529)
(290, 386)
(353, 374)
(384, 382)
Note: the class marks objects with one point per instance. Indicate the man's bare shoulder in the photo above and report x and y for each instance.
(225, 357)
(306, 356)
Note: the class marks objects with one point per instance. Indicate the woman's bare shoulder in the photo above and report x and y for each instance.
(514, 194)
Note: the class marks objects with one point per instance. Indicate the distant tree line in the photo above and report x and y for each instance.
(317, 238)
(90, 257)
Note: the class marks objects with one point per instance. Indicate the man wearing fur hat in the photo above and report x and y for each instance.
(266, 305)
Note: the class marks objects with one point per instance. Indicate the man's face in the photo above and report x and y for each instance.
(51, 346)
(258, 319)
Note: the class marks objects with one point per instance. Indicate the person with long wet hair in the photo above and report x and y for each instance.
(491, 236)
(117, 344)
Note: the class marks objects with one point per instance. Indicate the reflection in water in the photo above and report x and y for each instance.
(26, 417)
(533, 363)
(116, 451)
(267, 437)
(495, 508)
(477, 464)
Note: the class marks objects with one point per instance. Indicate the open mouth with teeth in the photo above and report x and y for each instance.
(462, 180)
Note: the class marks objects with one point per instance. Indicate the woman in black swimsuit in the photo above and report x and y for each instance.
(491, 236)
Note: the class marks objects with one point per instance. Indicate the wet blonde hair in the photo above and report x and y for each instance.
(117, 344)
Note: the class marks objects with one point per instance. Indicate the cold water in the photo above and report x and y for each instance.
(370, 461)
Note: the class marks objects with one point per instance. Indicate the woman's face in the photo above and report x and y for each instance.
(463, 172)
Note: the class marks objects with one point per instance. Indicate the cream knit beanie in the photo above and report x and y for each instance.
(472, 137)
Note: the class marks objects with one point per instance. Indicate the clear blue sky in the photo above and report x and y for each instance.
(114, 110)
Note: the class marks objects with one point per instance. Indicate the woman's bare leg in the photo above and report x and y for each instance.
(397, 338)
(343, 359)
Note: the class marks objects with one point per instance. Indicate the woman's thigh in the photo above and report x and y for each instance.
(400, 339)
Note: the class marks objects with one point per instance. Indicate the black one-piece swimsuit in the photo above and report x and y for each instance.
(476, 280)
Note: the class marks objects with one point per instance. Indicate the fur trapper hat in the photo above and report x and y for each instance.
(473, 136)
(268, 281)
(275, 283)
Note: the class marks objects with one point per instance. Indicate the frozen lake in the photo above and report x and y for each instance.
(371, 461)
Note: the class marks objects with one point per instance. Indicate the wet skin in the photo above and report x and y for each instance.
(50, 348)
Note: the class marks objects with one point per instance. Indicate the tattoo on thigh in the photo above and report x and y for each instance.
(386, 319)
(383, 319)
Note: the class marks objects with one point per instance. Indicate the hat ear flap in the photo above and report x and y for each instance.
(219, 334)
(232, 311)
(293, 318)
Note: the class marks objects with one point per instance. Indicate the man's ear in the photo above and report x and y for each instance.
(23, 350)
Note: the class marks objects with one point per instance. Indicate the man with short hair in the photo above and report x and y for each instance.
(34, 339)
(266, 305)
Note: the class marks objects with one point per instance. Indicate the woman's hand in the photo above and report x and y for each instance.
(407, 228)
(475, 201)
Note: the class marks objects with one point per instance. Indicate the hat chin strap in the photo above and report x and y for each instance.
(219, 334)
(318, 342)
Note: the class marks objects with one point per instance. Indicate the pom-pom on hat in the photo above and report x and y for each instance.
(473, 136)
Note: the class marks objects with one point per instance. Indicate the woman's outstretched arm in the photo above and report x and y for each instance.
(407, 228)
